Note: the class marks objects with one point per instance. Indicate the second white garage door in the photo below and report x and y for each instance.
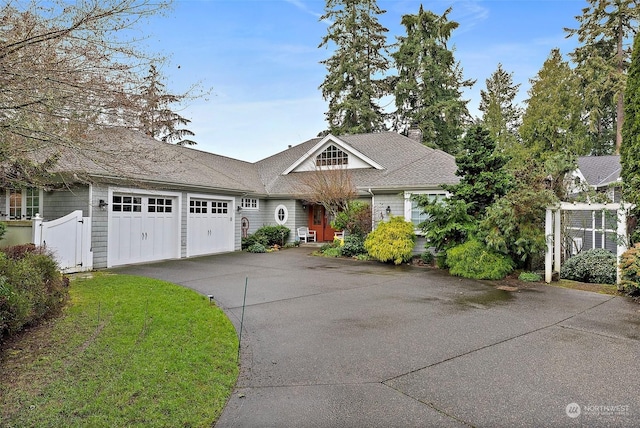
(210, 226)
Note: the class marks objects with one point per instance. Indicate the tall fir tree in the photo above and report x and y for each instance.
(630, 150)
(429, 85)
(157, 120)
(500, 115)
(354, 83)
(483, 179)
(552, 122)
(602, 60)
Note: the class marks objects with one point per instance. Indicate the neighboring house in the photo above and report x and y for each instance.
(600, 173)
(595, 228)
(148, 200)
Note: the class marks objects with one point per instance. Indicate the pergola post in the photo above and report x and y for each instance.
(622, 239)
(548, 234)
(557, 241)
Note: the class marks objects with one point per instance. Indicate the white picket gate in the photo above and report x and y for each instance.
(69, 239)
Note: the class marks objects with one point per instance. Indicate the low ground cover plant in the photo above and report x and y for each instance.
(128, 351)
(474, 260)
(596, 266)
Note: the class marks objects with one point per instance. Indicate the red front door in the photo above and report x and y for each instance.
(319, 220)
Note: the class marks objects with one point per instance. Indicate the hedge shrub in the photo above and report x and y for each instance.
(31, 288)
(392, 240)
(596, 266)
(630, 270)
(268, 236)
(353, 246)
(474, 260)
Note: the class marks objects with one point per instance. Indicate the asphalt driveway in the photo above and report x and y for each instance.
(342, 343)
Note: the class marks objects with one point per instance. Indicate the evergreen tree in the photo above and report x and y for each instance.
(157, 120)
(552, 122)
(353, 85)
(500, 115)
(602, 59)
(428, 88)
(483, 179)
(630, 150)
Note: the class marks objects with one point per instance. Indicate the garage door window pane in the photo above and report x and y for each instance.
(160, 205)
(195, 206)
(221, 207)
(126, 204)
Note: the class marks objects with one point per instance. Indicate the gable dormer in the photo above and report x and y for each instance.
(329, 153)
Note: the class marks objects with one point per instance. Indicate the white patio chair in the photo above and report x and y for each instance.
(306, 235)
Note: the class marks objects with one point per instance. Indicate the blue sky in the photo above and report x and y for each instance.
(261, 60)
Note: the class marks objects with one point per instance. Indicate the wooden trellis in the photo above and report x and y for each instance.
(553, 231)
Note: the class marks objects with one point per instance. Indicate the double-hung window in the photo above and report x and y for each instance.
(24, 204)
(413, 212)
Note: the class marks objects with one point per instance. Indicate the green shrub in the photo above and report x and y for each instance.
(332, 252)
(353, 245)
(31, 288)
(3, 229)
(275, 235)
(529, 277)
(257, 248)
(596, 266)
(630, 270)
(427, 258)
(267, 236)
(253, 239)
(392, 240)
(441, 260)
(474, 260)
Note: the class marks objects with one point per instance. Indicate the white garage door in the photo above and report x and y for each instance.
(142, 228)
(210, 226)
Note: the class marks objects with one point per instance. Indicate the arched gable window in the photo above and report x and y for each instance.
(332, 156)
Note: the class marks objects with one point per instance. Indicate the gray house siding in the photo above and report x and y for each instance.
(394, 201)
(586, 230)
(58, 203)
(99, 229)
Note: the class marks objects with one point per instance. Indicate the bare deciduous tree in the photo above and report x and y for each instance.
(332, 188)
(66, 69)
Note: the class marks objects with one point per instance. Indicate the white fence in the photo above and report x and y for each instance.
(69, 239)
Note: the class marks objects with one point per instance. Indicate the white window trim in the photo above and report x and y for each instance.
(23, 208)
(407, 202)
(286, 214)
(249, 207)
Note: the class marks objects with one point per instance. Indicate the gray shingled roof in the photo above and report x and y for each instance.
(136, 157)
(127, 154)
(407, 164)
(600, 171)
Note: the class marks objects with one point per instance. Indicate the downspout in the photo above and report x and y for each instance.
(90, 211)
(373, 204)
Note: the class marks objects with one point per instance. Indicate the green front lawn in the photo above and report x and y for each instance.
(128, 351)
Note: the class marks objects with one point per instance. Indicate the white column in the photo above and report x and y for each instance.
(622, 239)
(557, 241)
(548, 235)
(36, 230)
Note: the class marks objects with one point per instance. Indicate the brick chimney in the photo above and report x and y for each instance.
(415, 133)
